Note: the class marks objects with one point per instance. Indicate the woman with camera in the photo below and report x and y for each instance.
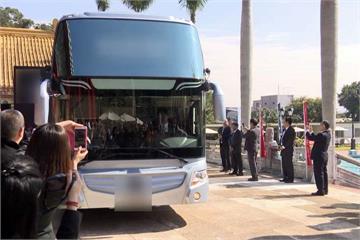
(21, 187)
(49, 147)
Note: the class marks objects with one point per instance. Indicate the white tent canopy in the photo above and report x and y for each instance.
(109, 116)
(341, 129)
(297, 129)
(127, 118)
(210, 131)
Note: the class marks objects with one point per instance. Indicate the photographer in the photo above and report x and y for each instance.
(21, 185)
(49, 147)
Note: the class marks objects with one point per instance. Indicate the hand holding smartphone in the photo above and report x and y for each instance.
(80, 135)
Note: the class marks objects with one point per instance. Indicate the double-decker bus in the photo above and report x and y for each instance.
(138, 84)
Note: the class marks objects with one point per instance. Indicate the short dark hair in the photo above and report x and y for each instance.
(235, 124)
(326, 124)
(254, 121)
(11, 122)
(21, 183)
(288, 120)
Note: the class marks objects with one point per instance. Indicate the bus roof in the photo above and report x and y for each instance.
(97, 15)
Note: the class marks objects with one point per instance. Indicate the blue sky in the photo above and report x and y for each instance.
(286, 36)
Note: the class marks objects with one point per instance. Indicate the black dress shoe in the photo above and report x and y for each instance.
(326, 193)
(232, 173)
(282, 180)
(253, 179)
(288, 181)
(240, 174)
(317, 194)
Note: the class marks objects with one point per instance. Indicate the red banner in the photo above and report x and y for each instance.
(306, 128)
(262, 137)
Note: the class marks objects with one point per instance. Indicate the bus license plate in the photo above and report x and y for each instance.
(133, 193)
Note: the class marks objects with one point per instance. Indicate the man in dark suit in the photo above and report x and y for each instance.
(251, 148)
(224, 137)
(319, 156)
(287, 150)
(235, 143)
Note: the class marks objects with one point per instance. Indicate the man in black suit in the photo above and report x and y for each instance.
(251, 148)
(319, 156)
(224, 138)
(287, 150)
(235, 143)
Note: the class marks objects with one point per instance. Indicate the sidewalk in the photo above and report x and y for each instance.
(238, 209)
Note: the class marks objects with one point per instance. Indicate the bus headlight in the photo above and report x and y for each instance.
(198, 177)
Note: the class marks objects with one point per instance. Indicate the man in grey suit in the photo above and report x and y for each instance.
(251, 148)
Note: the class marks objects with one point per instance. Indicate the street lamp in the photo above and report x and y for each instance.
(354, 116)
(290, 111)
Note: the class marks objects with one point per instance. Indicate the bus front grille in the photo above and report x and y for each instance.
(106, 183)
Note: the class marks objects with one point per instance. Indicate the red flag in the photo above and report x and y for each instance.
(306, 127)
(262, 138)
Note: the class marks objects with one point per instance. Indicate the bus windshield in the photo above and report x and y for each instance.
(131, 48)
(125, 124)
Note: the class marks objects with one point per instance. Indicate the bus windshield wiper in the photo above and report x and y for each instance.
(182, 160)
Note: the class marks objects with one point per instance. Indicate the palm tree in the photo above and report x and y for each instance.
(328, 33)
(137, 5)
(245, 61)
(192, 6)
(102, 5)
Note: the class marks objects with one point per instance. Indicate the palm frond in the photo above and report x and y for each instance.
(102, 5)
(137, 5)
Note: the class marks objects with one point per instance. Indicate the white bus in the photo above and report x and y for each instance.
(138, 84)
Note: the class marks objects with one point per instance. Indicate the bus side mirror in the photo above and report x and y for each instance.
(218, 101)
(55, 88)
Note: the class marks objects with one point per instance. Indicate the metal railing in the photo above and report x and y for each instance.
(344, 176)
(347, 159)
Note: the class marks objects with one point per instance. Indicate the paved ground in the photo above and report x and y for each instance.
(238, 209)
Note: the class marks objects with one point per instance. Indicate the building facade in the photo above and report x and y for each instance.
(21, 47)
(271, 101)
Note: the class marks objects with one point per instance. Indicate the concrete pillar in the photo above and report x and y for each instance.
(245, 62)
(328, 24)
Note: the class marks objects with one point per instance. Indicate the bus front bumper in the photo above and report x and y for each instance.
(141, 188)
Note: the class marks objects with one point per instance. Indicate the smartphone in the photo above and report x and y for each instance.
(80, 135)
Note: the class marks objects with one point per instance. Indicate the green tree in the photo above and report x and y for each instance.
(102, 5)
(137, 5)
(44, 26)
(269, 115)
(209, 108)
(140, 5)
(314, 109)
(349, 97)
(193, 6)
(12, 17)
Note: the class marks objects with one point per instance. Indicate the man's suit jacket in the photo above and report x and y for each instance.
(236, 140)
(287, 141)
(250, 141)
(225, 135)
(321, 145)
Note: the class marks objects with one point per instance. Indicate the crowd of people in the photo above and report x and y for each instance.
(37, 177)
(230, 137)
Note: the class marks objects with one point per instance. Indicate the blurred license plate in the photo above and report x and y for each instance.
(133, 193)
